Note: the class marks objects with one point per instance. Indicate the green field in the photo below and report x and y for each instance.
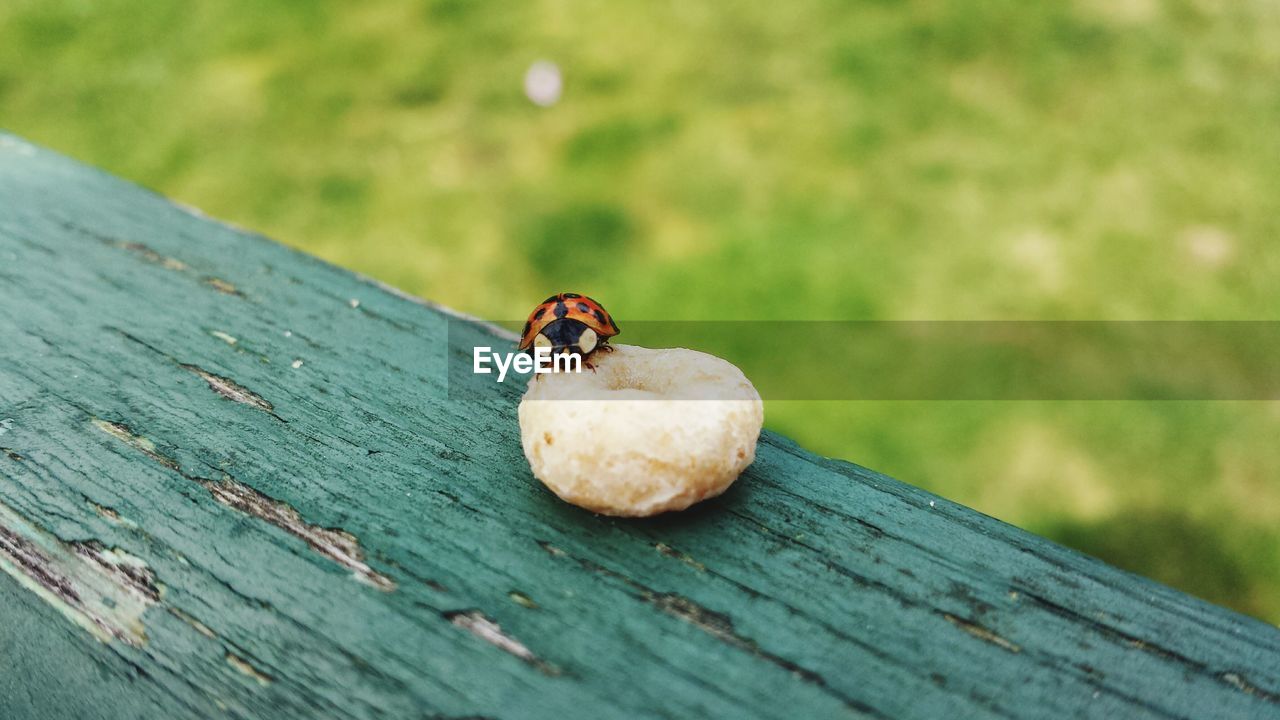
(939, 159)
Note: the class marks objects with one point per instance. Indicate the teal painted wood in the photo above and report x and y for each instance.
(195, 524)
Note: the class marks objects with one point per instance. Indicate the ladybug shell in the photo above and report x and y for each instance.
(572, 306)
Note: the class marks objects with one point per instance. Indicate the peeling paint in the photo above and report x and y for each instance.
(113, 517)
(247, 668)
(338, 545)
(1238, 682)
(103, 590)
(232, 390)
(682, 557)
(223, 286)
(150, 255)
(551, 550)
(477, 624)
(224, 337)
(711, 622)
(121, 432)
(982, 633)
(522, 600)
(198, 626)
(127, 570)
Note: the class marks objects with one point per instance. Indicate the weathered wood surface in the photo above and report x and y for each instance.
(231, 485)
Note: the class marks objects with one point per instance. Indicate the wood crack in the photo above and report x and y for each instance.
(1229, 677)
(223, 386)
(717, 625)
(337, 545)
(480, 625)
(232, 390)
(105, 591)
(982, 633)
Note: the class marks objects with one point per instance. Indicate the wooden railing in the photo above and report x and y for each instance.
(232, 484)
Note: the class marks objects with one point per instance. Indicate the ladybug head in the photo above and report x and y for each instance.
(567, 335)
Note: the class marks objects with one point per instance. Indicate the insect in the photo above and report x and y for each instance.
(569, 323)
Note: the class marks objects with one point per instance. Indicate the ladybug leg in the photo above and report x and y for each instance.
(605, 347)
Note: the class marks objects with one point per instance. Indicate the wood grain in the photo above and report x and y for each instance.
(233, 484)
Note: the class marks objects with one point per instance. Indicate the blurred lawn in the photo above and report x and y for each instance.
(989, 159)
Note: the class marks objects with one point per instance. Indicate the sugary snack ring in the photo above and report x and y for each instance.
(648, 431)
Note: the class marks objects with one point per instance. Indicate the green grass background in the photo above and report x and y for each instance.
(928, 159)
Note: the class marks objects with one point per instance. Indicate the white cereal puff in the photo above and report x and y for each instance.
(649, 431)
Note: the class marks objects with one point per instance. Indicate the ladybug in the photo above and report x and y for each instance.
(569, 323)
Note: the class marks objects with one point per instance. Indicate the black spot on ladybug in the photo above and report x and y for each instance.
(561, 310)
(525, 331)
(613, 325)
(583, 307)
(599, 316)
(538, 315)
(551, 299)
(571, 296)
